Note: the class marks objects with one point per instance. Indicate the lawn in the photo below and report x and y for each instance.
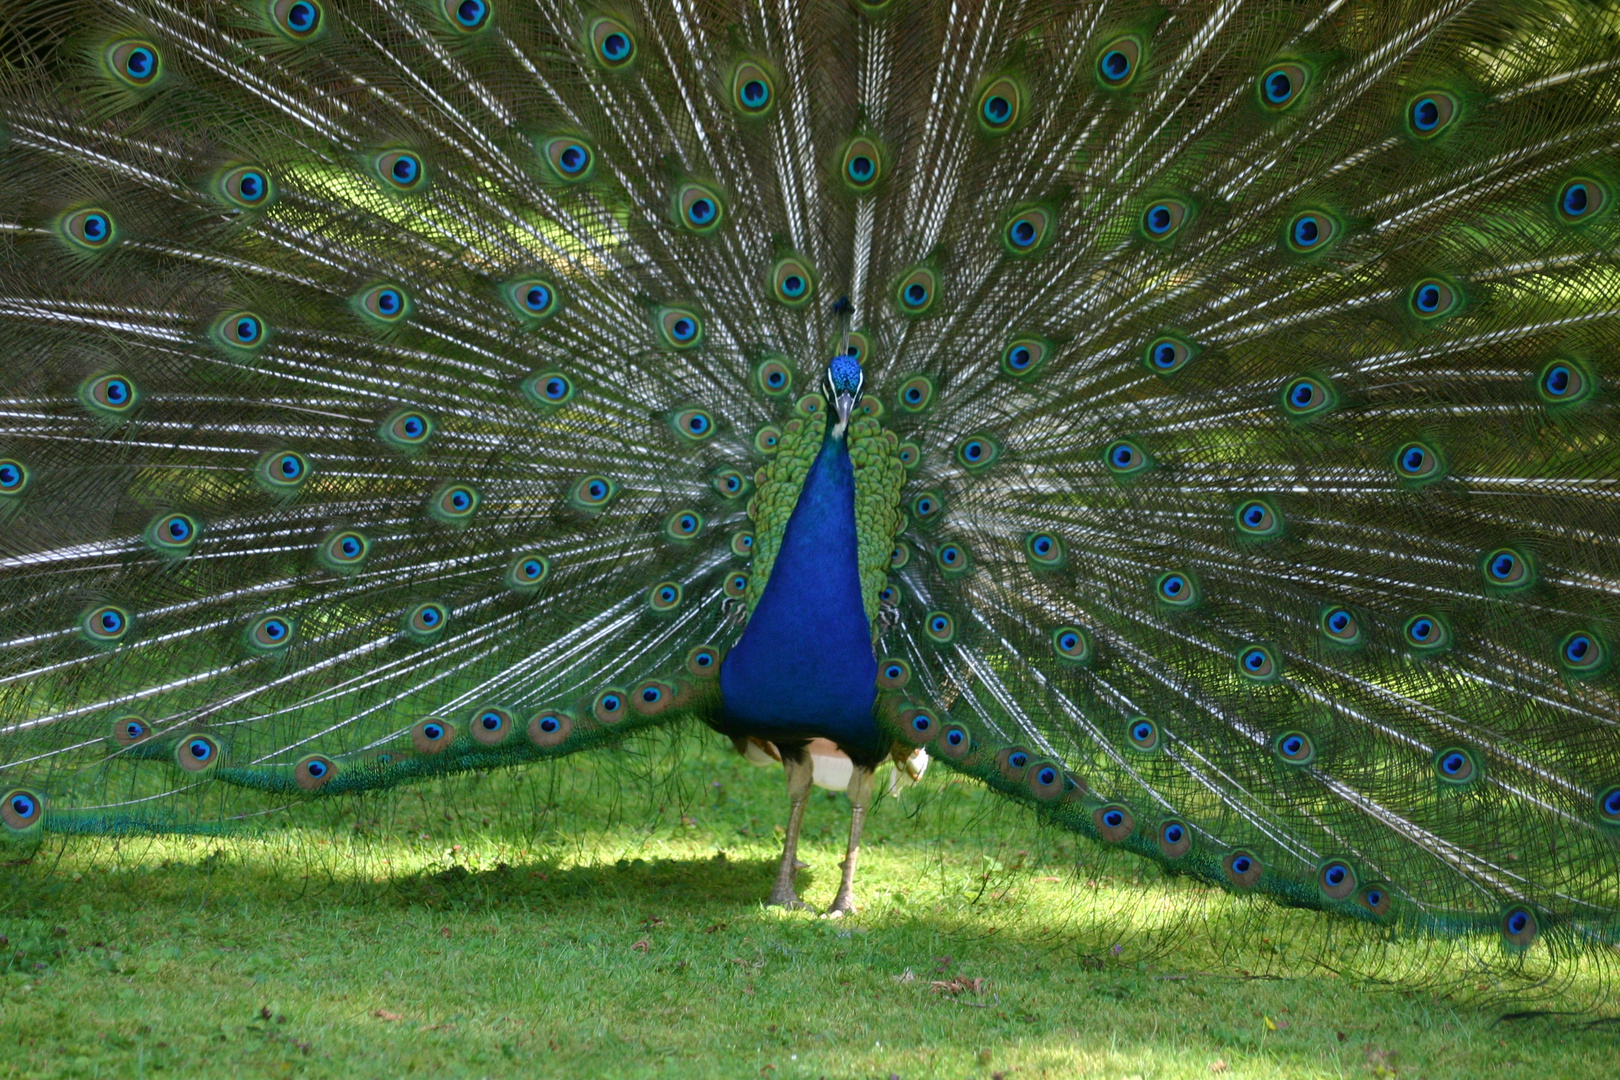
(602, 917)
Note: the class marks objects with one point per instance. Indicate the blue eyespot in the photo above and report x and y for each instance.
(1072, 644)
(1118, 62)
(471, 14)
(1295, 748)
(200, 749)
(922, 722)
(1257, 662)
(401, 169)
(861, 168)
(1506, 568)
(1456, 765)
(302, 18)
(1281, 84)
(1432, 298)
(1114, 819)
(1242, 864)
(1609, 806)
(755, 94)
(1430, 113)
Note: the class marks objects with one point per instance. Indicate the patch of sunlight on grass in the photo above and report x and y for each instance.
(542, 237)
(571, 921)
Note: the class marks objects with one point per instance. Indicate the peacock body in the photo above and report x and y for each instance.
(1215, 448)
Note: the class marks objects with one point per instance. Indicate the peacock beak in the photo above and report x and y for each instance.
(845, 404)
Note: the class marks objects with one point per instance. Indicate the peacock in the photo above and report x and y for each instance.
(1192, 419)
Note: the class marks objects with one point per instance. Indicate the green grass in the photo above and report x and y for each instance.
(602, 918)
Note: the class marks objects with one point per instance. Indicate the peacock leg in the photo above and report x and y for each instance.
(860, 796)
(796, 764)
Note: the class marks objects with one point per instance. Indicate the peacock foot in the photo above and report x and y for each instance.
(787, 898)
(843, 904)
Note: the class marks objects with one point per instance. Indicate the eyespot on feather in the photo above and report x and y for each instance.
(246, 187)
(344, 549)
(1114, 822)
(314, 771)
(432, 736)
(22, 811)
(1119, 61)
(298, 21)
(15, 477)
(112, 397)
(1242, 869)
(955, 742)
(134, 62)
(611, 43)
(197, 753)
(1337, 880)
(402, 172)
(491, 725)
(549, 728)
(704, 661)
(917, 291)
(130, 730)
(1012, 762)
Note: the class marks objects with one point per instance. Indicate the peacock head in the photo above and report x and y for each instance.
(844, 379)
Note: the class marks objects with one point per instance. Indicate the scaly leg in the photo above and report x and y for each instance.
(860, 796)
(799, 774)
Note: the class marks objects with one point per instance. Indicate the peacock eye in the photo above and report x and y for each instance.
(611, 42)
(1125, 459)
(1508, 569)
(14, 477)
(1258, 664)
(1178, 588)
(1432, 299)
(1306, 397)
(1027, 230)
(1163, 219)
(1430, 113)
(298, 19)
(467, 16)
(752, 89)
(401, 170)
(680, 329)
(1118, 62)
(1582, 200)
(1168, 355)
(134, 63)
(1282, 84)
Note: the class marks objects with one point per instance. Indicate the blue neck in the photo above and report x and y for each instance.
(804, 666)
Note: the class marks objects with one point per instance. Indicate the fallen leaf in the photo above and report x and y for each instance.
(642, 946)
(384, 1014)
(1219, 1065)
(904, 977)
(958, 985)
